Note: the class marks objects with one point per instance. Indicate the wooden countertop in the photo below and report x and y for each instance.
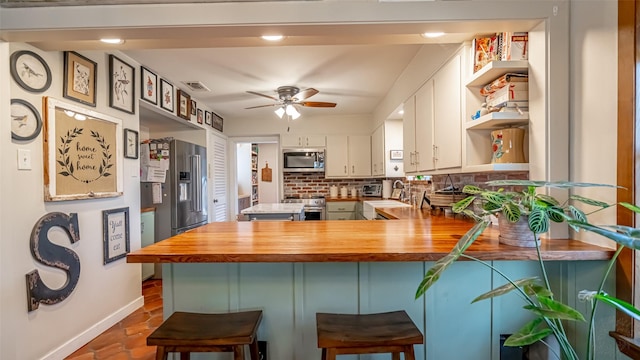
(419, 239)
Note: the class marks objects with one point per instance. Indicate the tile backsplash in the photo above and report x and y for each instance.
(306, 184)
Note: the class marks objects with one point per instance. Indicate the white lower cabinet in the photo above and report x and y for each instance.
(348, 156)
(147, 233)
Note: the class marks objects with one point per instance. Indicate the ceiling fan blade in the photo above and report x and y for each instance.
(316, 104)
(305, 94)
(263, 95)
(259, 106)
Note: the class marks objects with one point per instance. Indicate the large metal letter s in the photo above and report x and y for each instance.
(53, 255)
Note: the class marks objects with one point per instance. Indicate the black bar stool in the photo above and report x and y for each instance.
(186, 332)
(391, 332)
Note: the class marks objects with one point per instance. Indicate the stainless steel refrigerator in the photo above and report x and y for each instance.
(183, 195)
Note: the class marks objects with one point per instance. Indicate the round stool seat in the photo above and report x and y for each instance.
(186, 332)
(392, 332)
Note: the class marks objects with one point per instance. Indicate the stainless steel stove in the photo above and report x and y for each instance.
(314, 205)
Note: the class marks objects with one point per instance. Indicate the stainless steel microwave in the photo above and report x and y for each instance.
(303, 160)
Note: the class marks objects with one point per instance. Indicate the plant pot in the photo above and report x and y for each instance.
(518, 233)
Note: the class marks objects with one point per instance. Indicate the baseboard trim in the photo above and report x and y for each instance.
(91, 333)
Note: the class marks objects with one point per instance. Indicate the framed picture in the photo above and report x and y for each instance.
(396, 154)
(79, 78)
(30, 71)
(148, 86)
(207, 117)
(25, 120)
(217, 122)
(131, 144)
(121, 85)
(166, 95)
(115, 234)
(193, 107)
(184, 104)
(82, 153)
(200, 116)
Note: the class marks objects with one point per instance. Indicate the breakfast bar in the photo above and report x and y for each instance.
(292, 270)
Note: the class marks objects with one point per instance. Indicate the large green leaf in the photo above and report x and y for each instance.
(556, 214)
(463, 204)
(550, 200)
(528, 334)
(511, 211)
(538, 221)
(619, 304)
(494, 197)
(433, 274)
(582, 199)
(554, 310)
(537, 290)
(506, 288)
(631, 207)
(472, 189)
(629, 238)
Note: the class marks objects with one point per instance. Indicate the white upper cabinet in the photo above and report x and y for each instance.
(377, 152)
(302, 141)
(348, 156)
(447, 119)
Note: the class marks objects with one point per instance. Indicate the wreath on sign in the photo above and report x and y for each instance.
(66, 163)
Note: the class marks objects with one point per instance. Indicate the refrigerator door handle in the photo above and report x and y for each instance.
(196, 170)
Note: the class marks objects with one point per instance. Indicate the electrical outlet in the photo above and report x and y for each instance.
(262, 350)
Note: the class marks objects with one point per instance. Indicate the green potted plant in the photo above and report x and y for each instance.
(539, 210)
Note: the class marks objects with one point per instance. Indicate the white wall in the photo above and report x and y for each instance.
(594, 71)
(104, 293)
(269, 190)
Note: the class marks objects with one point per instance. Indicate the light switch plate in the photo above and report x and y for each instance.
(24, 159)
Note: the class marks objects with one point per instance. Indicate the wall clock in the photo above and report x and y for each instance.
(25, 120)
(30, 71)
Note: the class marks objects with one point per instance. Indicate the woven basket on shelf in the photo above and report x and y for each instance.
(446, 199)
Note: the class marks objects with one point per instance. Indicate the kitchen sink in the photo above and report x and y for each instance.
(369, 207)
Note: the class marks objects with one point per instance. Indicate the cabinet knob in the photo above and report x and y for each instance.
(353, 169)
(215, 201)
(345, 169)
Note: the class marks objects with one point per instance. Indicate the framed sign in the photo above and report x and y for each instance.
(121, 85)
(148, 85)
(115, 234)
(81, 153)
(217, 122)
(166, 95)
(79, 78)
(396, 154)
(30, 71)
(25, 120)
(184, 104)
(131, 144)
(207, 117)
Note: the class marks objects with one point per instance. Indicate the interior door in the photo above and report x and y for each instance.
(218, 177)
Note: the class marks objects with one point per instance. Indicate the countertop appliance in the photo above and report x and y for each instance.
(371, 190)
(181, 201)
(303, 160)
(314, 206)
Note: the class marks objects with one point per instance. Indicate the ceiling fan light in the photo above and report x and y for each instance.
(292, 111)
(272, 37)
(280, 112)
(432, 35)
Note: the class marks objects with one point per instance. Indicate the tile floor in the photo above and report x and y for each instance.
(127, 339)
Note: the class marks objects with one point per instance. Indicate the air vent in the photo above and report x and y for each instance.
(196, 86)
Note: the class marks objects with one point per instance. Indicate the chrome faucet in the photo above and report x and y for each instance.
(403, 196)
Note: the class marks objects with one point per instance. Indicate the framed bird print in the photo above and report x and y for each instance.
(30, 71)
(148, 85)
(166, 95)
(121, 85)
(25, 120)
(79, 78)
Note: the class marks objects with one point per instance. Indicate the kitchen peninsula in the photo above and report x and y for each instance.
(291, 270)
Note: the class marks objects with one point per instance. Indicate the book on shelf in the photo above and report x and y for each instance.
(507, 93)
(519, 81)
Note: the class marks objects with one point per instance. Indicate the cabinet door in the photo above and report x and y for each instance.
(314, 141)
(290, 141)
(448, 115)
(336, 156)
(409, 135)
(424, 127)
(377, 152)
(147, 220)
(359, 155)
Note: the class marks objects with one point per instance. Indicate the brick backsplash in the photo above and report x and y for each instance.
(306, 184)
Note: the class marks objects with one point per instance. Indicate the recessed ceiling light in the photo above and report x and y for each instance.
(432, 34)
(272, 37)
(114, 41)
